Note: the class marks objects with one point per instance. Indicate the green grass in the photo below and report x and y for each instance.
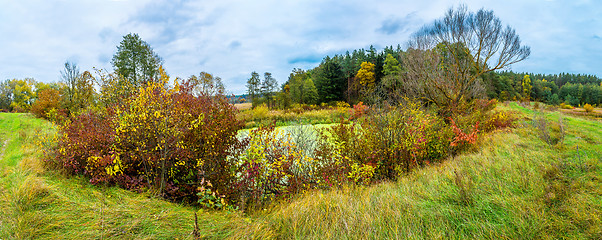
(40, 204)
(262, 116)
(514, 186)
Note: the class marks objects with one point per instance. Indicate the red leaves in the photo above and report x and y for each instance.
(462, 138)
(87, 135)
(358, 110)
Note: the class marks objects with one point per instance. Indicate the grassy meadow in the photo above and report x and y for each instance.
(38, 204)
(314, 115)
(539, 180)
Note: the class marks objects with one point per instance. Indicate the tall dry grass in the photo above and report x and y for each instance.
(515, 186)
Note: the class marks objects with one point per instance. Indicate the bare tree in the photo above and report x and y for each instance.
(79, 88)
(445, 59)
(206, 84)
(268, 85)
(69, 77)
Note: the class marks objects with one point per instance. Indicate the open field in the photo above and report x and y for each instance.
(243, 106)
(261, 115)
(596, 113)
(514, 186)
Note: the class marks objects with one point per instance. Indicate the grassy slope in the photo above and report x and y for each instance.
(514, 187)
(45, 205)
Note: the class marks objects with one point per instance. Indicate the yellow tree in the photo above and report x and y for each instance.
(23, 94)
(366, 74)
(48, 100)
(527, 87)
(366, 77)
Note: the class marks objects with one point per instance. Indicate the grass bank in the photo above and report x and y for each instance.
(514, 186)
(38, 204)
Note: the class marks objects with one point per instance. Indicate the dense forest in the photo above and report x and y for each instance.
(573, 89)
(362, 74)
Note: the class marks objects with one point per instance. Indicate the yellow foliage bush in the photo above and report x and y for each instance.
(161, 137)
(260, 112)
(565, 106)
(588, 107)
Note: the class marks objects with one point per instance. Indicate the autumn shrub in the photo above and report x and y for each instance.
(495, 120)
(358, 110)
(482, 113)
(162, 138)
(588, 107)
(271, 166)
(479, 110)
(19, 108)
(463, 140)
(402, 138)
(48, 99)
(260, 112)
(297, 108)
(391, 141)
(566, 106)
(59, 116)
(336, 146)
(340, 110)
(87, 137)
(361, 174)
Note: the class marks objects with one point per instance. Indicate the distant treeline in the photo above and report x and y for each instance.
(574, 89)
(337, 79)
(342, 78)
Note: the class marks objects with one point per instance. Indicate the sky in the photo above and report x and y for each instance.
(231, 39)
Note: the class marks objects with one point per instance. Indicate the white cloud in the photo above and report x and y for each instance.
(233, 38)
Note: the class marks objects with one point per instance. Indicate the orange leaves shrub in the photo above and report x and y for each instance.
(48, 99)
(358, 110)
(461, 139)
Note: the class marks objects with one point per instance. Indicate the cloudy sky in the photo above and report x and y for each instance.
(232, 38)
